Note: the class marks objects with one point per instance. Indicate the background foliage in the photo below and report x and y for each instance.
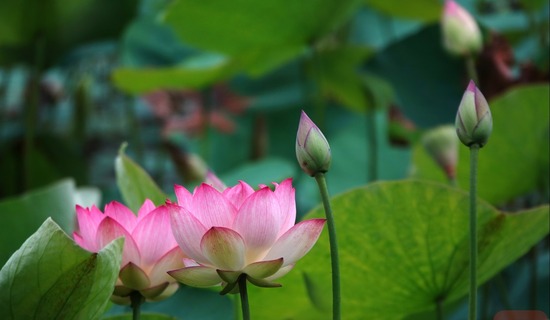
(197, 85)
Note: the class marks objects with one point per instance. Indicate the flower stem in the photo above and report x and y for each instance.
(322, 183)
(471, 68)
(485, 299)
(439, 308)
(503, 292)
(31, 111)
(236, 303)
(453, 182)
(244, 297)
(534, 278)
(373, 145)
(136, 299)
(474, 149)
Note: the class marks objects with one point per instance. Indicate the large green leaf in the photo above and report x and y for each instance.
(147, 42)
(135, 184)
(292, 301)
(515, 160)
(402, 245)
(136, 80)
(51, 27)
(244, 25)
(21, 216)
(51, 277)
(424, 10)
(203, 69)
(143, 316)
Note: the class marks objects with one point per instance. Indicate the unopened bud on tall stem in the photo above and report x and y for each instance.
(312, 148)
(474, 122)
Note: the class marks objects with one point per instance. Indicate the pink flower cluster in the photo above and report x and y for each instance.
(210, 237)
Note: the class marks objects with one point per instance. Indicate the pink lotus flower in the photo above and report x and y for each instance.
(150, 249)
(239, 231)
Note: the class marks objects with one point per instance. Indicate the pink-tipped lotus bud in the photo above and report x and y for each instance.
(441, 144)
(461, 35)
(474, 122)
(312, 148)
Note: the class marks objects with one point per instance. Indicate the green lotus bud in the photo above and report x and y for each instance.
(441, 144)
(474, 122)
(461, 35)
(312, 148)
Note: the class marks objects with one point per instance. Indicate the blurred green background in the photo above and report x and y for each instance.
(219, 85)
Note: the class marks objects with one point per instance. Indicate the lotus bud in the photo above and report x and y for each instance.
(461, 35)
(312, 148)
(474, 122)
(442, 145)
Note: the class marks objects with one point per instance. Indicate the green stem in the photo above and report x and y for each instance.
(134, 129)
(503, 291)
(206, 132)
(485, 305)
(471, 68)
(453, 182)
(322, 183)
(318, 100)
(31, 111)
(439, 309)
(373, 145)
(534, 278)
(244, 297)
(259, 137)
(474, 150)
(136, 299)
(236, 303)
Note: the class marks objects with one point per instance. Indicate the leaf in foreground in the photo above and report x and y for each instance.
(51, 277)
(403, 245)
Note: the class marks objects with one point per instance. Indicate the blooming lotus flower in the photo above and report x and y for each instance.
(474, 122)
(150, 249)
(312, 148)
(239, 231)
(461, 35)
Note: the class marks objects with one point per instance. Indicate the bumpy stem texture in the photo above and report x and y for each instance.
(336, 309)
(244, 297)
(474, 149)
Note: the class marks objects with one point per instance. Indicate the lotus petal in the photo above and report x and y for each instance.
(258, 223)
(224, 248)
(297, 241)
(197, 276)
